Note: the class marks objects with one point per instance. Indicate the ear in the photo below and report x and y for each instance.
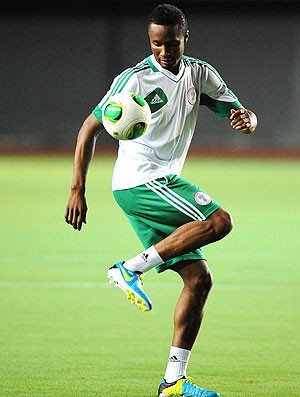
(186, 36)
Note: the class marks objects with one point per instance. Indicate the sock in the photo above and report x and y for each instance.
(177, 363)
(144, 261)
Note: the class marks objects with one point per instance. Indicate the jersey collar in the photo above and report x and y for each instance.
(156, 67)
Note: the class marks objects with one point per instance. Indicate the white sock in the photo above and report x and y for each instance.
(144, 261)
(177, 363)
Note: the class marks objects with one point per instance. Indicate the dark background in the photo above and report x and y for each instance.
(58, 59)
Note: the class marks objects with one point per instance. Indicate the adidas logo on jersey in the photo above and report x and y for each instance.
(156, 99)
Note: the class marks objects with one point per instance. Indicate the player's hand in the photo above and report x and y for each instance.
(243, 120)
(76, 210)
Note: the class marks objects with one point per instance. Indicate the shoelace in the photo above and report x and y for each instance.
(190, 389)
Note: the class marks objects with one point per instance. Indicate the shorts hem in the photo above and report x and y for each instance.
(187, 257)
(212, 210)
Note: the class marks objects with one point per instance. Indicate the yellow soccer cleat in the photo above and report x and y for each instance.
(184, 387)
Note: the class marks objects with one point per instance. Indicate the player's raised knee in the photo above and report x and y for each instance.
(227, 220)
(222, 222)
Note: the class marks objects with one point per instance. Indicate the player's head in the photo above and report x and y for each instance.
(168, 15)
(168, 32)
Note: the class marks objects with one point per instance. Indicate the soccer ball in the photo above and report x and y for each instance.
(126, 116)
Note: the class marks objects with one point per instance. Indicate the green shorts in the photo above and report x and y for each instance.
(157, 208)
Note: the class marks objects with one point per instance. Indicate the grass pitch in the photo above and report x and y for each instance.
(65, 332)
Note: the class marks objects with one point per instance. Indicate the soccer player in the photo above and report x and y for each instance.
(173, 218)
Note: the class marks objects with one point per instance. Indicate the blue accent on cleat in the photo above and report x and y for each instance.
(131, 283)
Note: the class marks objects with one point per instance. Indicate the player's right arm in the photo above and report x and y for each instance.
(76, 209)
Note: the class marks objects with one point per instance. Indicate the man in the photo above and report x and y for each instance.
(172, 217)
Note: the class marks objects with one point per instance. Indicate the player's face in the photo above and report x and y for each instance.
(167, 45)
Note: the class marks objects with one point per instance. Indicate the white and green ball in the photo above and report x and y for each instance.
(126, 116)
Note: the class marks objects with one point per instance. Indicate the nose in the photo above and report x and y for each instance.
(164, 50)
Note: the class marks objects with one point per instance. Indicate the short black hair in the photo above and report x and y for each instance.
(168, 15)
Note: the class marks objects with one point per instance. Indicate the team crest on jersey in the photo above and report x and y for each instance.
(192, 96)
(202, 198)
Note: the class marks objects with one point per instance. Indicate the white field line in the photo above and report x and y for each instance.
(102, 284)
(53, 284)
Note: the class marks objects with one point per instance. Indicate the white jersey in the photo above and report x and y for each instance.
(174, 102)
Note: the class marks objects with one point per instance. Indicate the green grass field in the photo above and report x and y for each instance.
(65, 332)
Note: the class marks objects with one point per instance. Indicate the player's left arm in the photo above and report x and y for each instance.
(243, 120)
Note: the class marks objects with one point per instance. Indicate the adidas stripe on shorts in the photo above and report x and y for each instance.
(157, 208)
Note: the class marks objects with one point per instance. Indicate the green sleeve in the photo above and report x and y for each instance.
(98, 113)
(220, 108)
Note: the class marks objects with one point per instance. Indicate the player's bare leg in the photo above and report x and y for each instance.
(195, 234)
(197, 282)
(196, 275)
(189, 310)
(188, 316)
